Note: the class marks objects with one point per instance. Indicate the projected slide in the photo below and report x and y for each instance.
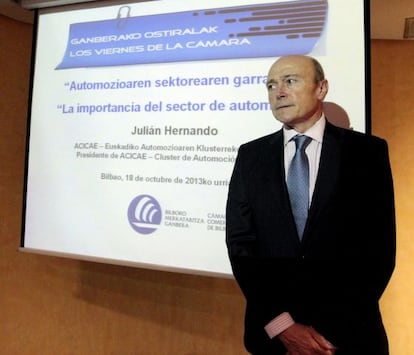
(224, 33)
(138, 111)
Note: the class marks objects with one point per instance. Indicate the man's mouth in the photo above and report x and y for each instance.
(282, 107)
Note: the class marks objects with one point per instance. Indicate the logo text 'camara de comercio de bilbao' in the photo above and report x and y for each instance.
(144, 214)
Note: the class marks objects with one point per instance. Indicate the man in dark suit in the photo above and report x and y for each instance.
(312, 283)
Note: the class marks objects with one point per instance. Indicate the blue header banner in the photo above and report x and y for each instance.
(262, 30)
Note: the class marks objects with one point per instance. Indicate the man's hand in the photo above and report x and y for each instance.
(303, 340)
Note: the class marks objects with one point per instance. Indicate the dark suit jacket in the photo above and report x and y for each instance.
(332, 279)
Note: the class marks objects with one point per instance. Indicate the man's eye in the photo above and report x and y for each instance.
(271, 86)
(290, 81)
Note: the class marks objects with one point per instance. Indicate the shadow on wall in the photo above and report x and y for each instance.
(336, 115)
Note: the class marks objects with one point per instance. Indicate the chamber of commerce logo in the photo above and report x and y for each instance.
(144, 214)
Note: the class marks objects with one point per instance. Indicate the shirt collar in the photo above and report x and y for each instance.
(315, 132)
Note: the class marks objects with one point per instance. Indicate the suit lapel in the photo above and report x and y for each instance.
(327, 173)
(277, 181)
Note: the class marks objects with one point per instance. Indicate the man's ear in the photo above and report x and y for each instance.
(323, 89)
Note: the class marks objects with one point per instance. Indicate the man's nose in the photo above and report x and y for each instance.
(280, 91)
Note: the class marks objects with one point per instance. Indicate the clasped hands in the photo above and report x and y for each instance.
(304, 340)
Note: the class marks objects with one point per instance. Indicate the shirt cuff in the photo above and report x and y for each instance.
(279, 324)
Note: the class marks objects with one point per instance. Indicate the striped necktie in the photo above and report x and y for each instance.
(298, 183)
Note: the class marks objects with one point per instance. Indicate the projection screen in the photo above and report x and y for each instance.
(137, 111)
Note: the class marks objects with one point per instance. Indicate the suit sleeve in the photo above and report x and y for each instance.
(256, 276)
(365, 256)
(240, 237)
(379, 229)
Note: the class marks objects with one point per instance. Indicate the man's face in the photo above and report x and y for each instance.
(294, 95)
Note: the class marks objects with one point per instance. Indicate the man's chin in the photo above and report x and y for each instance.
(283, 119)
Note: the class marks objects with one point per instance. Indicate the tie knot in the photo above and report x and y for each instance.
(301, 141)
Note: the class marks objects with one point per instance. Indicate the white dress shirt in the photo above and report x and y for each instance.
(313, 150)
